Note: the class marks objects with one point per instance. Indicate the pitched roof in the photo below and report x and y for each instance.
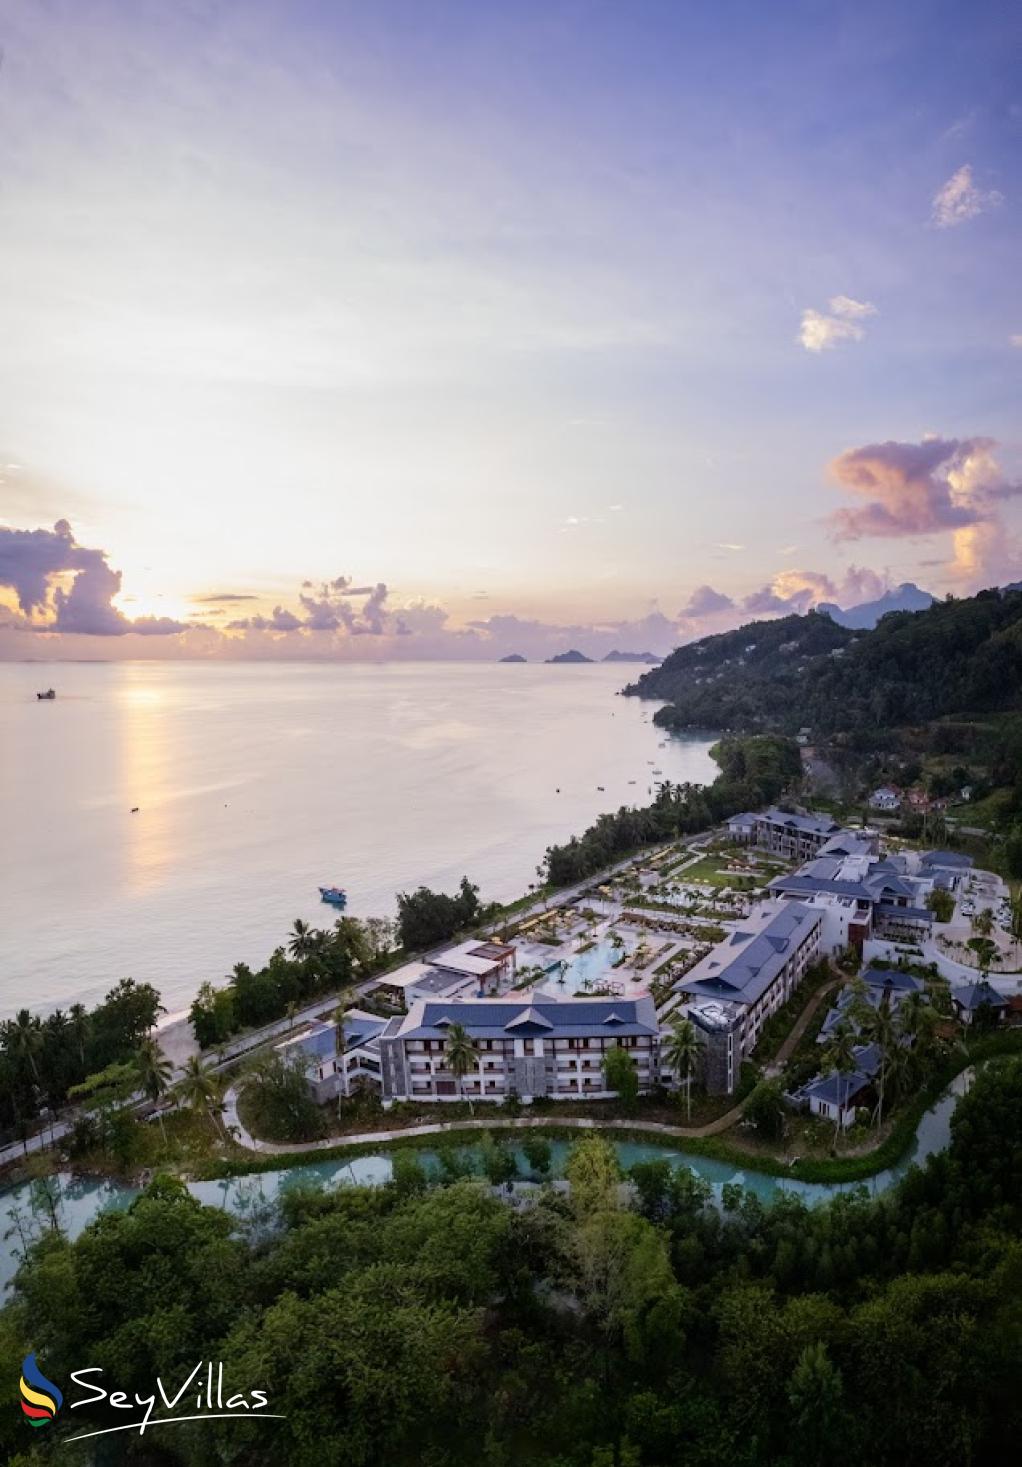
(507, 1019)
(973, 996)
(945, 858)
(808, 824)
(892, 978)
(741, 969)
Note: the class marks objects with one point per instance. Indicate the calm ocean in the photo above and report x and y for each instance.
(257, 783)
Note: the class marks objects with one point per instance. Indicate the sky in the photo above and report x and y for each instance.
(427, 328)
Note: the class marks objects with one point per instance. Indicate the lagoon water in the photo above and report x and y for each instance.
(257, 783)
(254, 1198)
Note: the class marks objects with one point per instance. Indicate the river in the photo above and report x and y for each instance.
(82, 1199)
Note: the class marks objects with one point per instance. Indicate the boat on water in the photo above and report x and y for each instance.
(335, 895)
(47, 696)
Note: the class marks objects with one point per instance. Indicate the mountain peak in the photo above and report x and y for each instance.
(906, 597)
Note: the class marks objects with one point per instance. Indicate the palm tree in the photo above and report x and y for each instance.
(680, 1051)
(839, 1060)
(24, 1038)
(302, 941)
(154, 1072)
(78, 1017)
(882, 1031)
(461, 1056)
(199, 1088)
(343, 1005)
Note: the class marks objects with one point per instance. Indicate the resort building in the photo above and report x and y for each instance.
(860, 895)
(734, 989)
(526, 1048)
(338, 1065)
(796, 837)
(472, 969)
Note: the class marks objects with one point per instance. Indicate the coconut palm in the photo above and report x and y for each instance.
(680, 1050)
(23, 1039)
(839, 1060)
(881, 1030)
(154, 1072)
(344, 1002)
(199, 1088)
(78, 1026)
(460, 1054)
(302, 941)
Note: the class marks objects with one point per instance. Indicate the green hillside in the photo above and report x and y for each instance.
(958, 659)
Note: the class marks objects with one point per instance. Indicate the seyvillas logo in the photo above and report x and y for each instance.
(203, 1385)
(40, 1398)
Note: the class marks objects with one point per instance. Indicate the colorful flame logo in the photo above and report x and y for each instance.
(40, 1398)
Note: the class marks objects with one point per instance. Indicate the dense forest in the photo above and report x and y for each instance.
(958, 658)
(753, 772)
(430, 1322)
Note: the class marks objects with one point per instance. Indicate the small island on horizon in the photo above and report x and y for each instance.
(513, 657)
(573, 656)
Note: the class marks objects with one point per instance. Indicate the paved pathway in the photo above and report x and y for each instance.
(438, 1128)
(799, 1027)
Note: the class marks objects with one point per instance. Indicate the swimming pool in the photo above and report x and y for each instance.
(594, 967)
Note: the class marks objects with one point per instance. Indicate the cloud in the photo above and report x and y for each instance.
(705, 601)
(820, 332)
(34, 563)
(328, 607)
(918, 488)
(800, 590)
(960, 199)
(1016, 340)
(282, 620)
(215, 598)
(727, 545)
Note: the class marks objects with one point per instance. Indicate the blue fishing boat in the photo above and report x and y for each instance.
(335, 895)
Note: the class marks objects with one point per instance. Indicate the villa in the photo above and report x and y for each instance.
(530, 1047)
(885, 988)
(734, 989)
(838, 1096)
(335, 1068)
(971, 999)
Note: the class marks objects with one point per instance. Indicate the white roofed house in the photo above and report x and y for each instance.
(885, 798)
(526, 1047)
(469, 970)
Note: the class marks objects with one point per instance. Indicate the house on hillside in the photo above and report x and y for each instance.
(886, 798)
